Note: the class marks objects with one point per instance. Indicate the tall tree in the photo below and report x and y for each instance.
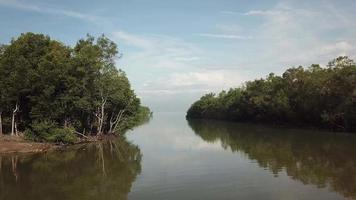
(53, 91)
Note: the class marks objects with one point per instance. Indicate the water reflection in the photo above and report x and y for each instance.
(321, 159)
(95, 171)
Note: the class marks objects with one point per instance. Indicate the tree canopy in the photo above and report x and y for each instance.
(54, 92)
(313, 96)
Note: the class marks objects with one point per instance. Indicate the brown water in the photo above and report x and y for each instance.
(171, 158)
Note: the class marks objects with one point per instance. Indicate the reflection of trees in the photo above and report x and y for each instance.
(321, 159)
(94, 171)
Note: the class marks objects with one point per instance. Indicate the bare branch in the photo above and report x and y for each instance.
(81, 134)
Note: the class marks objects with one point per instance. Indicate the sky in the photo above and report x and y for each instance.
(174, 51)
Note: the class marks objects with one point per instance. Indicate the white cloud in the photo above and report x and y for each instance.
(224, 31)
(290, 33)
(224, 36)
(201, 81)
(22, 5)
(339, 48)
(133, 40)
(296, 33)
(228, 12)
(158, 51)
(251, 12)
(161, 68)
(261, 12)
(209, 79)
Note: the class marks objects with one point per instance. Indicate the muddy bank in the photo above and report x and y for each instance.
(17, 144)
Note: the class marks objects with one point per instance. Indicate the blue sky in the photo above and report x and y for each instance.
(174, 51)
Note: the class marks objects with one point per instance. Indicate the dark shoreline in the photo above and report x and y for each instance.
(20, 145)
(283, 125)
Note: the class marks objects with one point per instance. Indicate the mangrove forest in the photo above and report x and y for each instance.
(317, 96)
(53, 92)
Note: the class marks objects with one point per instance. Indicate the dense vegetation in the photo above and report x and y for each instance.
(320, 159)
(53, 92)
(316, 96)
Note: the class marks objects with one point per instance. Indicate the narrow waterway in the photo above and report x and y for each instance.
(171, 158)
(220, 160)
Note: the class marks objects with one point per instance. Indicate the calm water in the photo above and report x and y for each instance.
(171, 158)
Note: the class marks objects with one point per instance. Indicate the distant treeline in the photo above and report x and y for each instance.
(53, 92)
(317, 96)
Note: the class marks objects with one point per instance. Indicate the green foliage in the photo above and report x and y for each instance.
(78, 87)
(49, 131)
(316, 96)
(142, 116)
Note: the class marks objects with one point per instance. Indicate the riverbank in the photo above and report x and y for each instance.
(18, 144)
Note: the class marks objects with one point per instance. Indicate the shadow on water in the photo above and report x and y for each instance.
(311, 157)
(93, 171)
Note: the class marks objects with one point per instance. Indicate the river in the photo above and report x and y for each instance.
(172, 158)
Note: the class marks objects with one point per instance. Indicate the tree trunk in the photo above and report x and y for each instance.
(1, 123)
(119, 119)
(98, 118)
(13, 124)
(13, 119)
(16, 132)
(101, 117)
(114, 123)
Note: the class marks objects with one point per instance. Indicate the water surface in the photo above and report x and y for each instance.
(171, 158)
